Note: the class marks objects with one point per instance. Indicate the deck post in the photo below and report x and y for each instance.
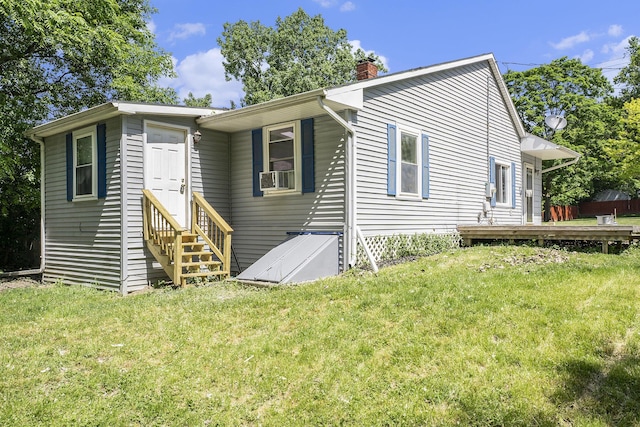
(605, 246)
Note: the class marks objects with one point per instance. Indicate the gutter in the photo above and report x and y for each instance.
(353, 232)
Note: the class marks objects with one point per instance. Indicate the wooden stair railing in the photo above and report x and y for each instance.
(163, 235)
(213, 229)
(179, 251)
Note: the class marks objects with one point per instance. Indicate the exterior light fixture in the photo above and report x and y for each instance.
(197, 136)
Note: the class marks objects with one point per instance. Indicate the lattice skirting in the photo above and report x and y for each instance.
(400, 245)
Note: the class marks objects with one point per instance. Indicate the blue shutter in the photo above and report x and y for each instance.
(256, 149)
(102, 160)
(492, 178)
(425, 166)
(513, 185)
(391, 159)
(308, 168)
(69, 167)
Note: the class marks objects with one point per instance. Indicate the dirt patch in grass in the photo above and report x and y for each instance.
(8, 283)
(541, 257)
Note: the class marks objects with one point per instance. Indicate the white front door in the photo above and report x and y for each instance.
(528, 193)
(165, 168)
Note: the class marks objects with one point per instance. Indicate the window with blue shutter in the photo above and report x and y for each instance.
(425, 166)
(86, 168)
(284, 158)
(391, 159)
(69, 139)
(492, 179)
(513, 185)
(102, 160)
(256, 149)
(308, 167)
(502, 176)
(408, 168)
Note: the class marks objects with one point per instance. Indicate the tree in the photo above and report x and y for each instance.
(625, 149)
(629, 76)
(192, 101)
(57, 57)
(566, 86)
(297, 55)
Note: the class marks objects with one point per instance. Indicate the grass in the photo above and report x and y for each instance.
(583, 222)
(480, 336)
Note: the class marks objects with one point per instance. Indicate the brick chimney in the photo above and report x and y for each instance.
(366, 69)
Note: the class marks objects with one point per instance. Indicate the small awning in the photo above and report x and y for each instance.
(545, 150)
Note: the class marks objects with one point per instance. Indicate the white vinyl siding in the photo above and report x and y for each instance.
(452, 107)
(82, 240)
(261, 223)
(209, 170)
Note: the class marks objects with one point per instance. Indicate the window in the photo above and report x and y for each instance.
(84, 164)
(409, 169)
(503, 178)
(283, 158)
(502, 183)
(408, 162)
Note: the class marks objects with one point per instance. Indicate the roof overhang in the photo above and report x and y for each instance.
(112, 109)
(293, 107)
(545, 150)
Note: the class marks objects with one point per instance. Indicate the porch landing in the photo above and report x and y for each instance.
(606, 234)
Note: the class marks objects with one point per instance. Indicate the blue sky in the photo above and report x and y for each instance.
(406, 34)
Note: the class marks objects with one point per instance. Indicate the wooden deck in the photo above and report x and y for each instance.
(606, 234)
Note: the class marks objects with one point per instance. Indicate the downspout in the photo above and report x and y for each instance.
(488, 127)
(353, 232)
(40, 142)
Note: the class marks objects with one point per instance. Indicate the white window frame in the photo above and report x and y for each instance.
(79, 134)
(400, 129)
(297, 157)
(507, 183)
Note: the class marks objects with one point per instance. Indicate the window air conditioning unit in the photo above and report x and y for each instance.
(277, 180)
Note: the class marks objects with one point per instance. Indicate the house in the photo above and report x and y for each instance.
(419, 151)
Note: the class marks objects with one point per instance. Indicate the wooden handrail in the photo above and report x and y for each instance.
(160, 227)
(213, 229)
(161, 209)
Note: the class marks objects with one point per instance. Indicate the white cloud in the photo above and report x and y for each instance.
(571, 41)
(616, 49)
(344, 7)
(151, 26)
(183, 31)
(326, 3)
(356, 44)
(618, 58)
(586, 56)
(347, 7)
(203, 73)
(615, 30)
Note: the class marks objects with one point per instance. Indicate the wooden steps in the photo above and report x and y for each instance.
(202, 252)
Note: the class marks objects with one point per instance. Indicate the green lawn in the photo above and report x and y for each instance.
(479, 336)
(621, 220)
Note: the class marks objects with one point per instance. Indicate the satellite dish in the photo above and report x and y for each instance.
(555, 122)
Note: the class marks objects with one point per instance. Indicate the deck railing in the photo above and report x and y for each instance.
(160, 228)
(213, 229)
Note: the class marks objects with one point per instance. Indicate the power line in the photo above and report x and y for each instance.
(539, 65)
